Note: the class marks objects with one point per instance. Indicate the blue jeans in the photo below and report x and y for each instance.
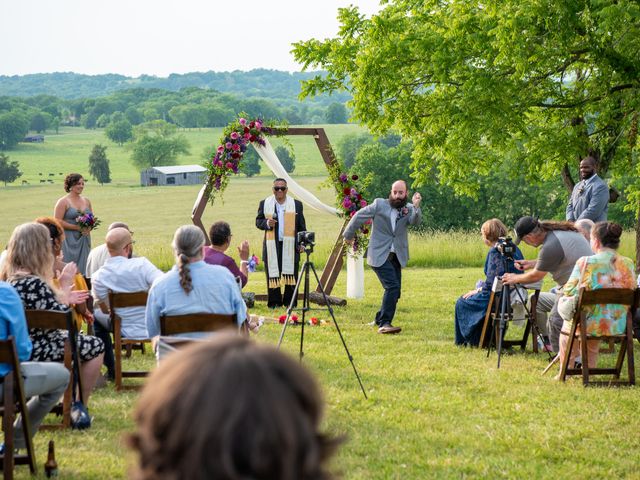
(390, 276)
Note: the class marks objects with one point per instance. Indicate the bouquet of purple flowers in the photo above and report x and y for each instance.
(87, 221)
(252, 263)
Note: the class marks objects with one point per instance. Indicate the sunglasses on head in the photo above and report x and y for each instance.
(281, 189)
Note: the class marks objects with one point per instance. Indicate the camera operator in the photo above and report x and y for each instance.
(561, 246)
(388, 248)
(281, 217)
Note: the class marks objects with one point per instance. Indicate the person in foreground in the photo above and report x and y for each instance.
(605, 269)
(281, 217)
(471, 307)
(561, 245)
(77, 240)
(192, 286)
(44, 382)
(229, 409)
(388, 250)
(29, 269)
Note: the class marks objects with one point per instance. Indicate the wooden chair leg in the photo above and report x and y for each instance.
(629, 344)
(567, 353)
(7, 425)
(585, 356)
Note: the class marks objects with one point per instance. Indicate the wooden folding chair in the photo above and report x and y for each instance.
(13, 396)
(125, 300)
(493, 309)
(617, 296)
(195, 322)
(57, 320)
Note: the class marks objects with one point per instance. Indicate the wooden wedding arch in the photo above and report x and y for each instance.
(335, 261)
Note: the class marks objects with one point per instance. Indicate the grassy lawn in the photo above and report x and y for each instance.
(435, 410)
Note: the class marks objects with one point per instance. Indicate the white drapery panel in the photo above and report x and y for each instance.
(355, 266)
(268, 154)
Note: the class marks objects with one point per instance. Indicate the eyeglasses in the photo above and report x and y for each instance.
(279, 189)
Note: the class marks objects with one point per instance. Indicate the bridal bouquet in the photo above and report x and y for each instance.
(87, 221)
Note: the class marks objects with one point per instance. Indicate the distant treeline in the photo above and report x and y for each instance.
(182, 100)
(272, 84)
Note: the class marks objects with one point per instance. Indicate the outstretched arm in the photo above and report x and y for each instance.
(364, 214)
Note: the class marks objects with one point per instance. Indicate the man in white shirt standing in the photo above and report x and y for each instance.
(124, 275)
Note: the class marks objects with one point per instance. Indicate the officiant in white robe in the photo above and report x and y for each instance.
(281, 217)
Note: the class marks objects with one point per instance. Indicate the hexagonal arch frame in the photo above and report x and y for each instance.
(335, 260)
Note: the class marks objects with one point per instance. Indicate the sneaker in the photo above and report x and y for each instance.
(387, 328)
(80, 419)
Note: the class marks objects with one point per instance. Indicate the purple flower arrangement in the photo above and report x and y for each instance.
(227, 158)
(349, 201)
(87, 221)
(253, 263)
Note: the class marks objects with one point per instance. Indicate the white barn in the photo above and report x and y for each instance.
(173, 175)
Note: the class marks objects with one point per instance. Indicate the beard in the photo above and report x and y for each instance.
(587, 175)
(397, 202)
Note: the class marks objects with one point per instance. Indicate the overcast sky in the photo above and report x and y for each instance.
(159, 37)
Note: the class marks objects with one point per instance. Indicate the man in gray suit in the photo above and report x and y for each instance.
(590, 196)
(388, 248)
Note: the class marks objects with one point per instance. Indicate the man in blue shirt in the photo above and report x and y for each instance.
(590, 196)
(44, 382)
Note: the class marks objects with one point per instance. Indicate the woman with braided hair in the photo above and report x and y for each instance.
(192, 286)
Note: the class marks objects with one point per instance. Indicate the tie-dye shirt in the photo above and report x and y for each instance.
(605, 269)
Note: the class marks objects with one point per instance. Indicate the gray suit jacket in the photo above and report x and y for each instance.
(382, 237)
(589, 200)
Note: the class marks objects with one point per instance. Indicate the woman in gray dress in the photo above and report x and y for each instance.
(77, 240)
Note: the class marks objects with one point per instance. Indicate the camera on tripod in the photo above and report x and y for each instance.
(506, 247)
(307, 240)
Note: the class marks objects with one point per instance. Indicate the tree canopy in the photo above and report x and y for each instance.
(537, 84)
(157, 143)
(99, 164)
(9, 171)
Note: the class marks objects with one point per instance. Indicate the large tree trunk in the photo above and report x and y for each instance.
(638, 241)
(566, 178)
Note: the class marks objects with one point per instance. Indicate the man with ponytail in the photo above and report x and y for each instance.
(561, 246)
(192, 286)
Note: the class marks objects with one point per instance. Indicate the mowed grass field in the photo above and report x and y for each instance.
(434, 410)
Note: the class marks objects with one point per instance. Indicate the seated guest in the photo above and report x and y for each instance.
(584, 226)
(29, 269)
(560, 246)
(99, 255)
(96, 259)
(605, 269)
(81, 311)
(44, 382)
(192, 286)
(123, 274)
(263, 414)
(220, 235)
(471, 307)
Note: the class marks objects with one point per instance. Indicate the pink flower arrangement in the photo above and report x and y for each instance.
(87, 221)
(349, 201)
(226, 159)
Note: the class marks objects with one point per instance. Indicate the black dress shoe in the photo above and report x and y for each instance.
(387, 328)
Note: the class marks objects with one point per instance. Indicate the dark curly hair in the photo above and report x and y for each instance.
(219, 233)
(71, 180)
(230, 409)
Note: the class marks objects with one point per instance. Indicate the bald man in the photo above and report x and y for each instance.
(99, 255)
(123, 275)
(388, 250)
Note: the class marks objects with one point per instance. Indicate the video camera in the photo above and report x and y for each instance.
(306, 240)
(506, 247)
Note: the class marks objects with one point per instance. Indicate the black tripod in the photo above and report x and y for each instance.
(506, 315)
(308, 265)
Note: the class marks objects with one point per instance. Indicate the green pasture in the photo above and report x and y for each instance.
(434, 410)
(69, 151)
